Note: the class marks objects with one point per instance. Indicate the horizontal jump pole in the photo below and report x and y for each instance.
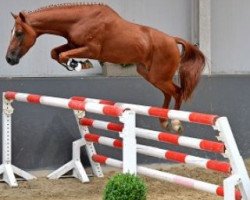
(172, 178)
(103, 109)
(192, 117)
(206, 145)
(163, 154)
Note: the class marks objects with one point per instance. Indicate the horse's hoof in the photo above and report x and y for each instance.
(78, 68)
(86, 64)
(74, 65)
(177, 126)
(166, 125)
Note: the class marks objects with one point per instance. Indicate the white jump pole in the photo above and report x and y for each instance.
(75, 164)
(240, 174)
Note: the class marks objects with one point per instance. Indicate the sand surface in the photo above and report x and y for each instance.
(72, 189)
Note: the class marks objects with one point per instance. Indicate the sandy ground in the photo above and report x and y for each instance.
(72, 189)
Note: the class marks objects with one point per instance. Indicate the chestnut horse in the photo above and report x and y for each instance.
(97, 32)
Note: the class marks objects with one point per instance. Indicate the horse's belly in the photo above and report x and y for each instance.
(125, 50)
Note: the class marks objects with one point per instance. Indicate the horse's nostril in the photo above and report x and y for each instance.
(11, 60)
(8, 59)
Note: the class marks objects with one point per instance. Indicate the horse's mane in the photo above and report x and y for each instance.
(65, 5)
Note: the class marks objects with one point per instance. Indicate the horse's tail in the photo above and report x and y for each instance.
(191, 66)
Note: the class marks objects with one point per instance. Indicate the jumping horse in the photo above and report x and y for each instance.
(96, 31)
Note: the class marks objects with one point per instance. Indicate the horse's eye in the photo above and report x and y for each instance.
(18, 34)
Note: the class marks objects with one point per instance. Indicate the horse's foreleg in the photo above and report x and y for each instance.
(82, 52)
(56, 51)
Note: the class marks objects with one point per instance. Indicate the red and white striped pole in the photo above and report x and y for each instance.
(163, 154)
(195, 143)
(180, 180)
(103, 109)
(193, 117)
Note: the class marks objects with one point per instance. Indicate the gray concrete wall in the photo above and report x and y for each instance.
(42, 135)
(230, 40)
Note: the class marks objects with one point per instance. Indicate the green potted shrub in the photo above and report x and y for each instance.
(125, 187)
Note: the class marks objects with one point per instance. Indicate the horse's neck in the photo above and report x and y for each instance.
(49, 22)
(59, 21)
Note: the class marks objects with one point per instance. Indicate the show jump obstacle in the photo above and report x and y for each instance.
(128, 132)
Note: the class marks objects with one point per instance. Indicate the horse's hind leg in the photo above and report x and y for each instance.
(164, 121)
(175, 91)
(141, 69)
(169, 89)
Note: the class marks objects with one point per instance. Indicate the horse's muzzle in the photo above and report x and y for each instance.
(11, 60)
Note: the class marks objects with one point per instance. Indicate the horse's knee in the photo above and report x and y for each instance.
(54, 54)
(63, 58)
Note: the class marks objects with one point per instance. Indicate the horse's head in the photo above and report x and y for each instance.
(23, 37)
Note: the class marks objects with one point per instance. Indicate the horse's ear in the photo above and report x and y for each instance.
(22, 16)
(13, 15)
